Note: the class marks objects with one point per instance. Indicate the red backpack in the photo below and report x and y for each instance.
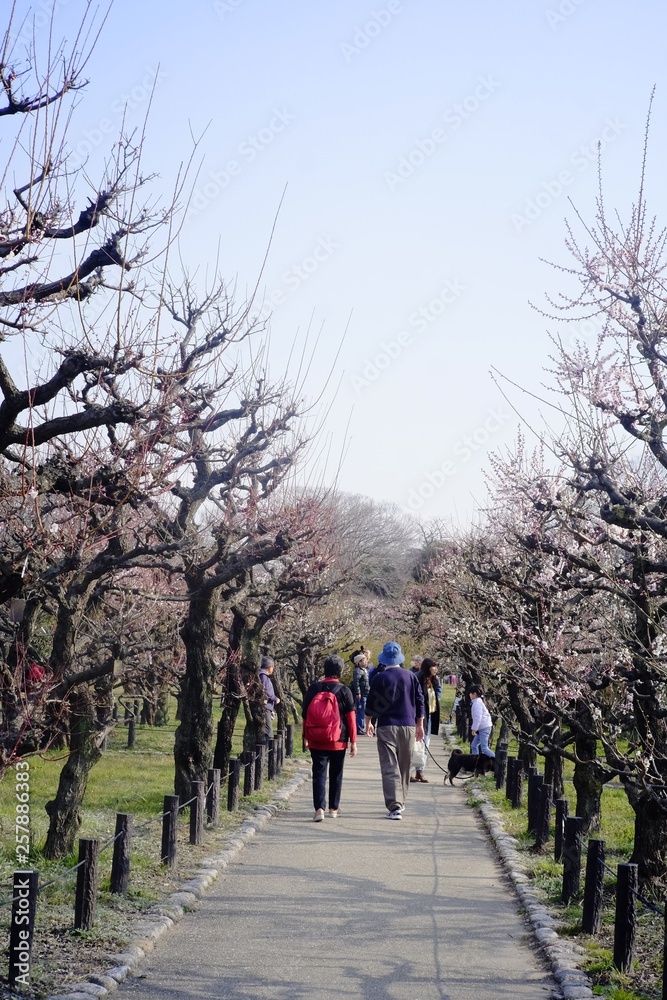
(323, 722)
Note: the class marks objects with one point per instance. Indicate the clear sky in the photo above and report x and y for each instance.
(429, 148)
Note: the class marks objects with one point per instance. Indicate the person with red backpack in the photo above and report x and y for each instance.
(329, 723)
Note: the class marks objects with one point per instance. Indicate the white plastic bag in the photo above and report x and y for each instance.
(419, 755)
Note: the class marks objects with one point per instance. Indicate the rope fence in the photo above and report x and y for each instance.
(568, 842)
(265, 761)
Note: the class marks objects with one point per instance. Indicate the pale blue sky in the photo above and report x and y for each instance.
(332, 98)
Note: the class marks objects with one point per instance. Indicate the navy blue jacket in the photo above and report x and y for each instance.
(395, 698)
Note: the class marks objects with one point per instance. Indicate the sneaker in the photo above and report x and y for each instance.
(395, 813)
(333, 813)
(319, 816)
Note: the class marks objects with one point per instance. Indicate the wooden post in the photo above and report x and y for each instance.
(198, 789)
(131, 732)
(169, 830)
(517, 785)
(591, 917)
(625, 924)
(272, 759)
(501, 766)
(259, 765)
(535, 782)
(509, 786)
(24, 894)
(279, 751)
(233, 784)
(289, 740)
(248, 759)
(543, 827)
(86, 885)
(213, 796)
(120, 865)
(562, 812)
(572, 839)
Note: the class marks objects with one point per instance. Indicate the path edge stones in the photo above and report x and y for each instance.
(151, 925)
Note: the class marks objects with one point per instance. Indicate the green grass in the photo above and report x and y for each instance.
(133, 781)
(617, 830)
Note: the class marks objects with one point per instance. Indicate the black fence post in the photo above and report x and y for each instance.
(591, 917)
(233, 784)
(562, 812)
(197, 809)
(535, 782)
(24, 894)
(511, 770)
(543, 827)
(517, 785)
(120, 865)
(259, 766)
(279, 752)
(501, 766)
(213, 796)
(86, 885)
(248, 759)
(289, 740)
(572, 839)
(169, 830)
(131, 732)
(625, 923)
(272, 759)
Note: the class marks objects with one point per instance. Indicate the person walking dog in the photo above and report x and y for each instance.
(396, 699)
(329, 723)
(481, 724)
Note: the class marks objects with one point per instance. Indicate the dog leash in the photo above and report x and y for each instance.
(443, 769)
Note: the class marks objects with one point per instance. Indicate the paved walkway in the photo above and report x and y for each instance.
(359, 907)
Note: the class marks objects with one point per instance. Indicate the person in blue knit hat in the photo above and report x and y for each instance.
(396, 700)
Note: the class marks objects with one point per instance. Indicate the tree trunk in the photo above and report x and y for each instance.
(65, 810)
(553, 774)
(192, 747)
(231, 702)
(650, 847)
(305, 670)
(521, 706)
(587, 782)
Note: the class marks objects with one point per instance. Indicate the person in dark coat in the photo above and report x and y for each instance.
(432, 688)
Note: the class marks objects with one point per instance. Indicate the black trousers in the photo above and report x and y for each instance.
(335, 760)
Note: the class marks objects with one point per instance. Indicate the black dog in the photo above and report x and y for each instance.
(460, 761)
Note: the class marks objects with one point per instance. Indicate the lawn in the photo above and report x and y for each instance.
(643, 982)
(133, 781)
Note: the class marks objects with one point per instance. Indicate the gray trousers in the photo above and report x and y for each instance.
(395, 745)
